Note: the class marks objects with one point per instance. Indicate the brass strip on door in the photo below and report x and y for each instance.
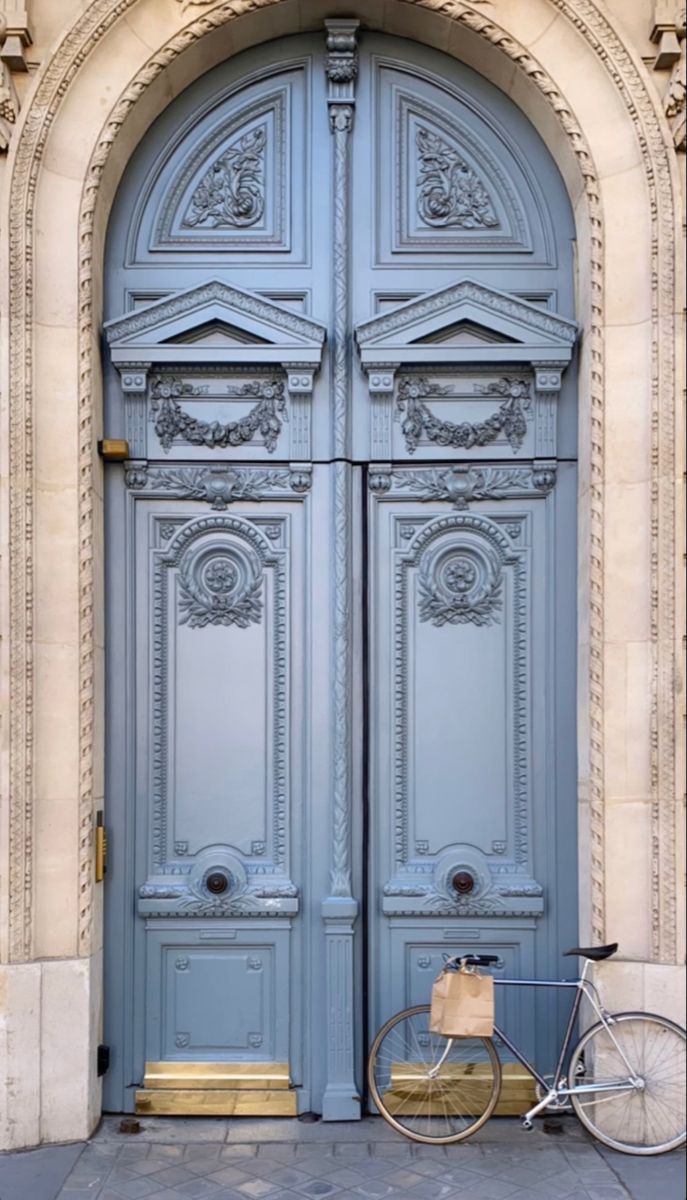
(217, 1089)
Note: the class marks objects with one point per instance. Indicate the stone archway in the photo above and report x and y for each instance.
(112, 73)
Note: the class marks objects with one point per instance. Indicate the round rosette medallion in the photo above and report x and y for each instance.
(220, 584)
(461, 583)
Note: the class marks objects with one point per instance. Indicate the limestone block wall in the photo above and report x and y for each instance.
(79, 84)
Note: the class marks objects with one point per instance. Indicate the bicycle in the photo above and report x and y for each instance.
(627, 1071)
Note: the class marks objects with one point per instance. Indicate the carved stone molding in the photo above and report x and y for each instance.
(90, 27)
(14, 38)
(668, 32)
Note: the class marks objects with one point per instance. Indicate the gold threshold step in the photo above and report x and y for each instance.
(216, 1089)
(217, 1102)
(405, 1094)
(200, 1076)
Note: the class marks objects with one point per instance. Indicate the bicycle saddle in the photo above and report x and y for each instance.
(596, 953)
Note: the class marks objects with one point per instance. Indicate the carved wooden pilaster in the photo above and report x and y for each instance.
(340, 909)
(134, 380)
(300, 382)
(548, 377)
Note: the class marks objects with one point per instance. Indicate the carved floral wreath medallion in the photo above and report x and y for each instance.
(220, 585)
(461, 585)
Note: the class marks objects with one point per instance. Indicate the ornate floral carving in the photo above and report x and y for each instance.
(232, 191)
(674, 99)
(171, 421)
(449, 193)
(460, 485)
(342, 55)
(461, 586)
(220, 486)
(220, 586)
(509, 421)
(9, 103)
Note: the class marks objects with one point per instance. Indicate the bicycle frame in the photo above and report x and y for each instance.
(555, 1090)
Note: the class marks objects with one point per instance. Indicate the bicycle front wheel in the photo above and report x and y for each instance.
(428, 1089)
(644, 1055)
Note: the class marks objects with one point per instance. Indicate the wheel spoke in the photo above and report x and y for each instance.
(651, 1118)
(447, 1105)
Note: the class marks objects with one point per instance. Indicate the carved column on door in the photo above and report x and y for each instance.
(340, 909)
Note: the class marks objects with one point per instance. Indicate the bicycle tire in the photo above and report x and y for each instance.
(435, 1110)
(650, 1120)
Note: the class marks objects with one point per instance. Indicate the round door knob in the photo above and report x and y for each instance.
(217, 883)
(463, 883)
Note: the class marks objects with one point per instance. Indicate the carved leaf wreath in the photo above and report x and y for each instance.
(436, 608)
(197, 612)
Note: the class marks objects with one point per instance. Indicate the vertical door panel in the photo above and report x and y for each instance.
(464, 782)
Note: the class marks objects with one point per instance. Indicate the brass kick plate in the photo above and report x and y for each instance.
(217, 1102)
(201, 1075)
(217, 1089)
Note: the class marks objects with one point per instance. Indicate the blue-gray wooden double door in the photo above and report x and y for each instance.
(340, 560)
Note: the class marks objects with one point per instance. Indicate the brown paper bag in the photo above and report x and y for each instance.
(462, 1004)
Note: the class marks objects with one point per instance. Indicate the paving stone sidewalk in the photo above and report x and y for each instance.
(190, 1159)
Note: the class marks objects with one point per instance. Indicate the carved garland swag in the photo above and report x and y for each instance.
(171, 421)
(420, 422)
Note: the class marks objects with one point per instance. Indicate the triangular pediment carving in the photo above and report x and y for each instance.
(218, 323)
(465, 322)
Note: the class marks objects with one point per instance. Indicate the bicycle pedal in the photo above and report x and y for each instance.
(527, 1124)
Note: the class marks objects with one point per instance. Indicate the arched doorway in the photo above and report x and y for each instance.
(341, 567)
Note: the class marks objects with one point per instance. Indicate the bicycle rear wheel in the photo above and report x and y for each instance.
(423, 1100)
(650, 1118)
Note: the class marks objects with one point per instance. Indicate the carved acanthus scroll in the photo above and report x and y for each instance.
(449, 193)
(232, 192)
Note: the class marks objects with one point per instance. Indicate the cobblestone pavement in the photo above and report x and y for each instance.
(187, 1159)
